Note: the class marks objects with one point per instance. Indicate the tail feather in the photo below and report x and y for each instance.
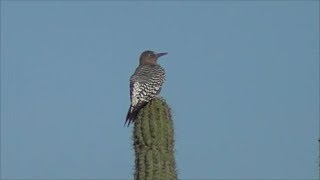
(132, 113)
(128, 118)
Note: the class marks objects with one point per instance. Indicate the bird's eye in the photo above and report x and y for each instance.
(150, 55)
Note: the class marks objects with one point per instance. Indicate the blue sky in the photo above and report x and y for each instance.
(242, 80)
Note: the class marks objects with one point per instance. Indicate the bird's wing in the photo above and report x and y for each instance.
(135, 92)
(145, 89)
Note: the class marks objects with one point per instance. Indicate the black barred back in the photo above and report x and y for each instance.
(145, 84)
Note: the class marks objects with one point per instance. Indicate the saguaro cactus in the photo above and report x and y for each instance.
(153, 138)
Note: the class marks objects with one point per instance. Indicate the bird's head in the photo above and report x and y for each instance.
(150, 57)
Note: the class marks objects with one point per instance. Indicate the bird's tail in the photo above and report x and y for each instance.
(133, 112)
(131, 115)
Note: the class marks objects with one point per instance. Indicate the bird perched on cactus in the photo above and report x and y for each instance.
(145, 83)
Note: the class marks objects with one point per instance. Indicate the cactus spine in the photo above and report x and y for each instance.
(153, 137)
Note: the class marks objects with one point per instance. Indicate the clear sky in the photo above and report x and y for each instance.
(242, 81)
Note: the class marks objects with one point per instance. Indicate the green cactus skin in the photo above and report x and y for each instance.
(153, 137)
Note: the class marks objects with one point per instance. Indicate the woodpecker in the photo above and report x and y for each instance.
(145, 83)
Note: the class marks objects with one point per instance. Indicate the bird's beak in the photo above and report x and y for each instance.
(161, 54)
